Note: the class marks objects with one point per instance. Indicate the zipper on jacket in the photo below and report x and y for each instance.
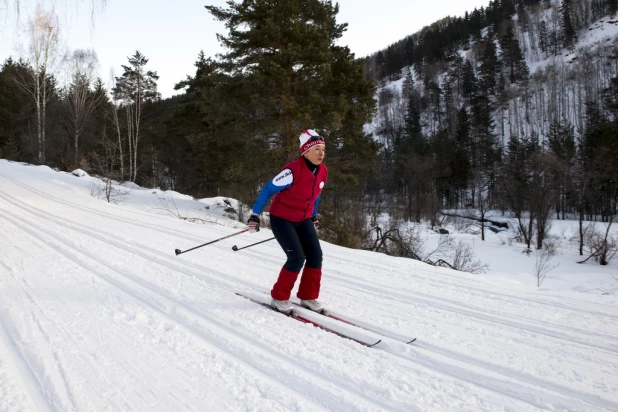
(315, 178)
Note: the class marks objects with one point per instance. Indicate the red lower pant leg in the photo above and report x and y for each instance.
(283, 287)
(310, 284)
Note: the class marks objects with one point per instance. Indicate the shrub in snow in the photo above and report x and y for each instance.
(602, 245)
(456, 255)
(543, 261)
(465, 260)
(104, 188)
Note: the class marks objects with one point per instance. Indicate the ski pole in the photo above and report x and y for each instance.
(178, 251)
(236, 248)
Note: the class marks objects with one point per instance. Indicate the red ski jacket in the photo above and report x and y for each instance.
(297, 201)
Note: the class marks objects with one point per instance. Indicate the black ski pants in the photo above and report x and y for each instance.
(299, 241)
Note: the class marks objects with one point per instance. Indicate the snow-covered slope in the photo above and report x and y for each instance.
(560, 84)
(98, 314)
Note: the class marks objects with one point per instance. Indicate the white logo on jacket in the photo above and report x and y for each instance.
(286, 177)
(321, 185)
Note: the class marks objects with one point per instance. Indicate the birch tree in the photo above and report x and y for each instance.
(43, 53)
(81, 100)
(134, 88)
(96, 6)
(116, 119)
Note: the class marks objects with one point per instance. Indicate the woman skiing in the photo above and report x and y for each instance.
(294, 222)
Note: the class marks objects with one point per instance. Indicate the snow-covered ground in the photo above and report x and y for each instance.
(509, 264)
(98, 314)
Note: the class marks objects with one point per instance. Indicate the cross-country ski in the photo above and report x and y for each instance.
(309, 205)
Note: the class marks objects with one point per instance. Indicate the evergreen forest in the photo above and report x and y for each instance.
(504, 110)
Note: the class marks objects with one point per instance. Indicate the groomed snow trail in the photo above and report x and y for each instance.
(98, 314)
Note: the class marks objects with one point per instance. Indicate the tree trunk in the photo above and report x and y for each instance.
(39, 127)
(154, 165)
(120, 149)
(138, 112)
(530, 226)
(483, 227)
(581, 231)
(130, 139)
(43, 113)
(76, 152)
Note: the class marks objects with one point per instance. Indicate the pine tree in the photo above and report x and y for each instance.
(462, 136)
(10, 149)
(486, 144)
(444, 152)
(134, 88)
(515, 170)
(561, 139)
(277, 72)
(518, 182)
(394, 62)
(523, 18)
(469, 83)
(543, 40)
(194, 158)
(450, 109)
(569, 36)
(14, 111)
(561, 143)
(413, 139)
(104, 156)
(408, 84)
(488, 71)
(593, 137)
(282, 72)
(380, 62)
(455, 74)
(433, 97)
(408, 51)
(612, 6)
(463, 143)
(353, 153)
(512, 56)
(598, 186)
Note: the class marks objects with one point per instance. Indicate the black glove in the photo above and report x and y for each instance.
(254, 223)
(316, 222)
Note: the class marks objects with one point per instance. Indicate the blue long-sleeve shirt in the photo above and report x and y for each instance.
(280, 182)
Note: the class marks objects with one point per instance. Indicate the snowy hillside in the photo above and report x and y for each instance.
(98, 314)
(559, 86)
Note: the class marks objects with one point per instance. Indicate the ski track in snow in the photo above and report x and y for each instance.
(162, 310)
(73, 257)
(458, 282)
(60, 246)
(171, 311)
(19, 365)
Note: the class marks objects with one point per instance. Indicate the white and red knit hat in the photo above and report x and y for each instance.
(309, 138)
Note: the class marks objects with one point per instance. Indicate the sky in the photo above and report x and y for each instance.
(97, 313)
(172, 33)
